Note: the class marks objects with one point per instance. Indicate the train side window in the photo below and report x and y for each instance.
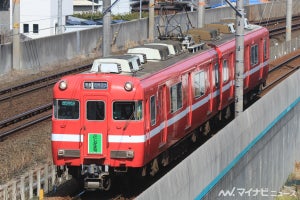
(95, 110)
(199, 84)
(66, 109)
(254, 55)
(225, 71)
(216, 74)
(127, 110)
(153, 110)
(176, 97)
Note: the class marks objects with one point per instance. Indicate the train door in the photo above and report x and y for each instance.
(246, 66)
(189, 101)
(263, 56)
(94, 127)
(224, 81)
(216, 86)
(162, 112)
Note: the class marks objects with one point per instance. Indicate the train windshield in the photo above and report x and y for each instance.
(127, 110)
(66, 109)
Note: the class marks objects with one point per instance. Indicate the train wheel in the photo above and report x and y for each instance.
(106, 183)
(154, 167)
(227, 113)
(165, 159)
(206, 128)
(194, 137)
(260, 88)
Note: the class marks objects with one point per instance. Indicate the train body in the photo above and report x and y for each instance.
(105, 124)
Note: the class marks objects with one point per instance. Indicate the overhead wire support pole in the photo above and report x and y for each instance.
(16, 35)
(201, 8)
(106, 41)
(108, 9)
(59, 18)
(151, 20)
(289, 7)
(239, 66)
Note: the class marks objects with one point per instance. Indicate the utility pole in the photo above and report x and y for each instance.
(140, 9)
(239, 67)
(289, 7)
(201, 8)
(239, 52)
(59, 17)
(151, 20)
(16, 34)
(106, 48)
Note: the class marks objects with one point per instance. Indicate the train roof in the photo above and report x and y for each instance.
(152, 67)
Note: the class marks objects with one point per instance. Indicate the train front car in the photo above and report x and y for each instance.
(97, 127)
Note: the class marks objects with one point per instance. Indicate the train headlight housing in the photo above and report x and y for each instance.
(63, 85)
(128, 86)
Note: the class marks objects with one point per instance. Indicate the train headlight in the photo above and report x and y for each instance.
(128, 86)
(63, 85)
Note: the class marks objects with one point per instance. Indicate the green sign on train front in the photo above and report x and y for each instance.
(95, 143)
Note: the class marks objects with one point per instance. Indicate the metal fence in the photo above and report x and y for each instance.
(29, 185)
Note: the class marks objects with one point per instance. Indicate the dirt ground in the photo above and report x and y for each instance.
(32, 146)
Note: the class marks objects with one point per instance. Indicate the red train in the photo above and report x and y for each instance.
(114, 119)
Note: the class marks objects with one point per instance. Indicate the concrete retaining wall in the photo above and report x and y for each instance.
(254, 152)
(270, 10)
(5, 58)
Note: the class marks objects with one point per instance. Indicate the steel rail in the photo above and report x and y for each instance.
(281, 30)
(52, 78)
(36, 111)
(9, 132)
(25, 115)
(273, 83)
(274, 21)
(3, 98)
(284, 63)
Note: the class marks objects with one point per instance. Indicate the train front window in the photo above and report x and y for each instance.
(66, 109)
(127, 110)
(95, 110)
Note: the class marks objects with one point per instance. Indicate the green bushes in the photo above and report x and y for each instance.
(99, 15)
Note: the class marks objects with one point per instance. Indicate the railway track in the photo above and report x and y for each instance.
(35, 115)
(277, 26)
(41, 83)
(282, 29)
(275, 21)
(280, 71)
